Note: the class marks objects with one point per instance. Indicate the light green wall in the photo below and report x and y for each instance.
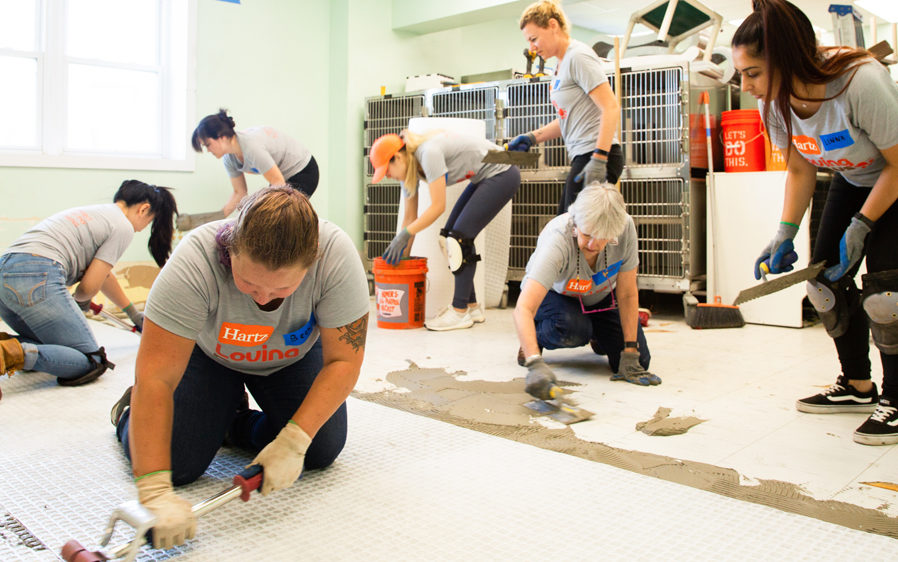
(303, 67)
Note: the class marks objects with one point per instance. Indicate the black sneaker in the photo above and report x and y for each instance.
(118, 409)
(881, 428)
(840, 398)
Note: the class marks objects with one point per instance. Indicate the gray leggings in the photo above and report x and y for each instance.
(475, 208)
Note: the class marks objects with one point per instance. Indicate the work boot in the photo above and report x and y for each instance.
(12, 356)
(118, 409)
(242, 408)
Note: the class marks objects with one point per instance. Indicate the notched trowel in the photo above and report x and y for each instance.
(513, 157)
(560, 409)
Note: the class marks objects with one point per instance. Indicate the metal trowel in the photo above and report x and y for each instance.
(559, 409)
(513, 157)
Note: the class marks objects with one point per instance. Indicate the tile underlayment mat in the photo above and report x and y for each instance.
(405, 487)
(495, 408)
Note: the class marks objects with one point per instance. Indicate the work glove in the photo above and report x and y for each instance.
(282, 459)
(851, 247)
(175, 521)
(135, 315)
(522, 143)
(779, 255)
(185, 222)
(394, 251)
(541, 382)
(596, 170)
(631, 371)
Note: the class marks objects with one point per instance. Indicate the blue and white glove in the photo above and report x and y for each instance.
(596, 170)
(394, 251)
(632, 371)
(851, 247)
(522, 143)
(779, 255)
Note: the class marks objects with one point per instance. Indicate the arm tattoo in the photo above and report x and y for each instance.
(354, 333)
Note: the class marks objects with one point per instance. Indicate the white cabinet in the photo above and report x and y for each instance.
(743, 214)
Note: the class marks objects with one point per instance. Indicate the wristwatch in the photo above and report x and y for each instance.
(633, 344)
(601, 152)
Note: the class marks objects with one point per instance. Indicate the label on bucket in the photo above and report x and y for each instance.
(392, 302)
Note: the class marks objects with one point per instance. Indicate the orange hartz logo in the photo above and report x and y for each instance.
(244, 335)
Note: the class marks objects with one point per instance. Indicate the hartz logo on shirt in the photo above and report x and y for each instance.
(244, 335)
(806, 144)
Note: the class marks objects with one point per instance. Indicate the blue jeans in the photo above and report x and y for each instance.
(560, 323)
(206, 409)
(37, 305)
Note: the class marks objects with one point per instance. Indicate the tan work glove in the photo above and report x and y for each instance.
(282, 459)
(175, 521)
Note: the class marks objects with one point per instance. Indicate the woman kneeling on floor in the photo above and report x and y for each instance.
(276, 301)
(580, 287)
(79, 245)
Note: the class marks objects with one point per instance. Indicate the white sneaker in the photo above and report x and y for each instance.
(477, 314)
(449, 319)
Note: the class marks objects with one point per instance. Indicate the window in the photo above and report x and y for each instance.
(96, 83)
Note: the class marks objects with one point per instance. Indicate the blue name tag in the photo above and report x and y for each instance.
(254, 170)
(556, 84)
(839, 139)
(607, 273)
(300, 336)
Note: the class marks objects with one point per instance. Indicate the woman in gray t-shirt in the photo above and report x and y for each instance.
(588, 112)
(580, 287)
(834, 108)
(443, 158)
(264, 151)
(75, 247)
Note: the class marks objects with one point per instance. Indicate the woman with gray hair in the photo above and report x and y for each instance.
(580, 287)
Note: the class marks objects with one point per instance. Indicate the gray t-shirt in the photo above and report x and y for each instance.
(263, 148)
(195, 297)
(457, 155)
(558, 264)
(76, 236)
(579, 73)
(847, 133)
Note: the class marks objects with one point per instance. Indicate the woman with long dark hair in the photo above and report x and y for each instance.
(834, 108)
(76, 246)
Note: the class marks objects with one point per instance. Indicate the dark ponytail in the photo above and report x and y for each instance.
(213, 126)
(162, 205)
(781, 34)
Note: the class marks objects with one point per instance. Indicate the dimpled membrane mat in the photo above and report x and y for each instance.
(405, 488)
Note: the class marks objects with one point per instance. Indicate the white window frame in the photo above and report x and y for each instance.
(52, 103)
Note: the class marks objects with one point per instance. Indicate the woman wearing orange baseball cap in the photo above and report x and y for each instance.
(442, 158)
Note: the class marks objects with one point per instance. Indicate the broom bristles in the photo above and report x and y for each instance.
(704, 316)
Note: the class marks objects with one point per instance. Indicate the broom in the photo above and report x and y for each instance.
(701, 315)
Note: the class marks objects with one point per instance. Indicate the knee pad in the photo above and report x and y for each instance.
(459, 251)
(881, 306)
(835, 302)
(99, 365)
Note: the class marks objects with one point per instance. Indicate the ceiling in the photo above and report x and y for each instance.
(611, 16)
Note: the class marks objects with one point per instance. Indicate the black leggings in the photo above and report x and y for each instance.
(572, 188)
(305, 180)
(842, 201)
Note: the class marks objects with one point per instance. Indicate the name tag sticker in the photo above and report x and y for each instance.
(839, 139)
(300, 336)
(607, 273)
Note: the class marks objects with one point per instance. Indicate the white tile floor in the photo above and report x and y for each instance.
(408, 487)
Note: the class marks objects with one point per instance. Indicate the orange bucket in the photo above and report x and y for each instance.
(399, 292)
(743, 141)
(773, 156)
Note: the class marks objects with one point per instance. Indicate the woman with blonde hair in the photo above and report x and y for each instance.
(443, 158)
(588, 112)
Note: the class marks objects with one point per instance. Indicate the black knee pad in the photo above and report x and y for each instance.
(459, 251)
(881, 306)
(99, 365)
(835, 302)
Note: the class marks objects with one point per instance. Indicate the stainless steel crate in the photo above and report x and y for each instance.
(528, 107)
(389, 114)
(533, 206)
(655, 117)
(473, 103)
(381, 210)
(667, 213)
